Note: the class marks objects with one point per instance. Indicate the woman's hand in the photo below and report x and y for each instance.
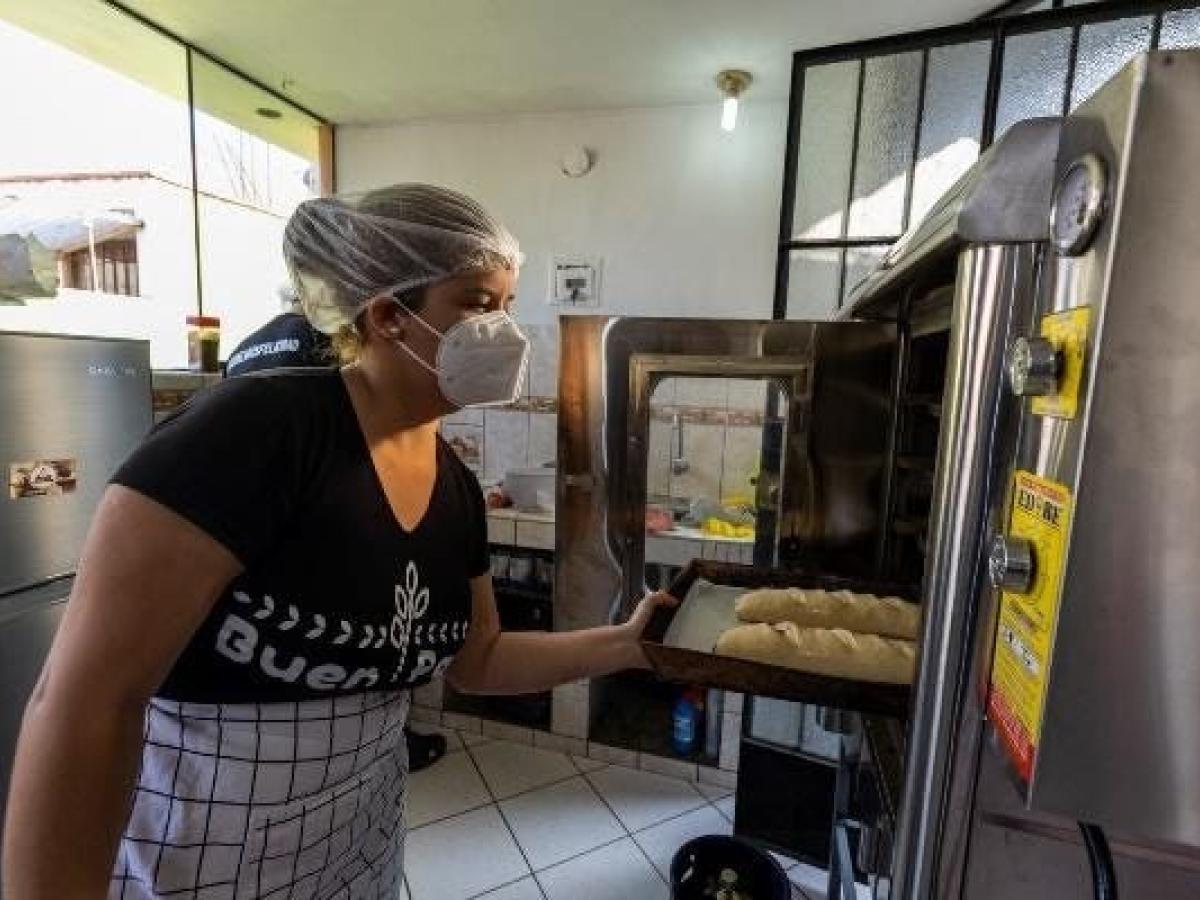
(635, 626)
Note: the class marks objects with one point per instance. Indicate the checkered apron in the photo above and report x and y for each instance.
(272, 800)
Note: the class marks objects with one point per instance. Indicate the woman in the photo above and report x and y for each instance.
(268, 577)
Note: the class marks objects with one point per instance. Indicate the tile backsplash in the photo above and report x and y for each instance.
(717, 422)
(493, 441)
(720, 420)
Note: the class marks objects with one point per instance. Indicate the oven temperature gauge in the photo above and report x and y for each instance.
(1078, 205)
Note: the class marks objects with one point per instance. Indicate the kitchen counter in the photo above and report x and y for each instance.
(687, 533)
(533, 529)
(682, 544)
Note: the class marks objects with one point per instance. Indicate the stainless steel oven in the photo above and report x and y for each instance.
(1006, 419)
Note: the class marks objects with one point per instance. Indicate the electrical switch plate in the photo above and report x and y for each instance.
(575, 281)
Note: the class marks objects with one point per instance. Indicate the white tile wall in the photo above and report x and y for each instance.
(658, 458)
(672, 551)
(506, 441)
(543, 438)
(704, 392)
(502, 530)
(538, 535)
(703, 446)
(465, 417)
(467, 441)
(731, 739)
(739, 460)
(747, 395)
(569, 711)
(543, 363)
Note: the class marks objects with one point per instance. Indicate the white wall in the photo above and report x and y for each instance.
(685, 216)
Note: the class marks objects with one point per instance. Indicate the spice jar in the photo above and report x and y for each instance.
(204, 343)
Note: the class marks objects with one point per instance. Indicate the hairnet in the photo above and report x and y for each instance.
(345, 251)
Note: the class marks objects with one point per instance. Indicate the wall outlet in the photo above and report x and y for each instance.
(574, 281)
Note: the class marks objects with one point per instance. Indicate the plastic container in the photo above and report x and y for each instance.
(720, 867)
(524, 486)
(204, 343)
(686, 722)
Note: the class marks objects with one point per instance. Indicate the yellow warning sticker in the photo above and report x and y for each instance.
(1067, 331)
(1025, 631)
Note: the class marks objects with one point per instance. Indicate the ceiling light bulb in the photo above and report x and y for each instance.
(729, 114)
(732, 82)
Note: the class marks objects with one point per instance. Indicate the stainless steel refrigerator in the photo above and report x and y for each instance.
(71, 409)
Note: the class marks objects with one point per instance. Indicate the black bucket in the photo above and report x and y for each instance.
(697, 868)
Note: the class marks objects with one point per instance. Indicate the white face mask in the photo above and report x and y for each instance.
(481, 361)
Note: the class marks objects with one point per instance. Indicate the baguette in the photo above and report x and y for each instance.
(822, 651)
(860, 613)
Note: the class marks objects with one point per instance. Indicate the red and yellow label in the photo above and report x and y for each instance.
(1041, 514)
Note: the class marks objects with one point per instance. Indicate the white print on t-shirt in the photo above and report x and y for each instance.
(240, 640)
(412, 602)
(343, 632)
(266, 348)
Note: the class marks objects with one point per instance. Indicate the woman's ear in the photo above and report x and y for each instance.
(385, 318)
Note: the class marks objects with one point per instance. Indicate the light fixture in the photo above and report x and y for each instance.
(732, 82)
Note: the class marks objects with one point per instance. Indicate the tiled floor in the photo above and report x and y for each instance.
(508, 821)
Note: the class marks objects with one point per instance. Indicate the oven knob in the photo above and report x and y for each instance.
(1011, 564)
(1033, 367)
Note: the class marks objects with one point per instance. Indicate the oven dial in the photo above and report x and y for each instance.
(1011, 564)
(1034, 365)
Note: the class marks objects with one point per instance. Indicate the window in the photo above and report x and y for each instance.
(883, 128)
(97, 201)
(256, 159)
(111, 264)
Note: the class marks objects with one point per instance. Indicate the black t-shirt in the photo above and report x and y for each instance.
(336, 595)
(287, 341)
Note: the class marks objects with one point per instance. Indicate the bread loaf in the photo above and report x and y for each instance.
(822, 651)
(860, 613)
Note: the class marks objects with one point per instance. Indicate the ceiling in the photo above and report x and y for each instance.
(370, 61)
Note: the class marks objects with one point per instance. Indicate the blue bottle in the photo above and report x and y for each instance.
(684, 720)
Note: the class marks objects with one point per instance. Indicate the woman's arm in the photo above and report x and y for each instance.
(146, 580)
(523, 662)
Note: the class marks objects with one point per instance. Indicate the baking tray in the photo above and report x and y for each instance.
(691, 666)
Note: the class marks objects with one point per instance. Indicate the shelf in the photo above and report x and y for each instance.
(635, 713)
(523, 592)
(788, 751)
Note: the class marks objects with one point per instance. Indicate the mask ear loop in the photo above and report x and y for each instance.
(416, 315)
(432, 370)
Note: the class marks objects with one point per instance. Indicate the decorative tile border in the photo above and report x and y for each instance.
(707, 415)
